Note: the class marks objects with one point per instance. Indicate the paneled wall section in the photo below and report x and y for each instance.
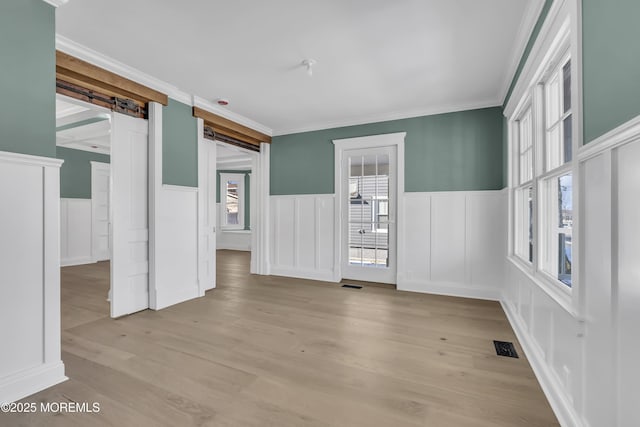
(587, 360)
(302, 236)
(75, 232)
(453, 243)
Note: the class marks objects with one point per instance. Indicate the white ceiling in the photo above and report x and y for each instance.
(94, 137)
(229, 157)
(376, 59)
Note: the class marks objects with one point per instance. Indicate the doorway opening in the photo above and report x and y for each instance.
(104, 202)
(367, 186)
(236, 199)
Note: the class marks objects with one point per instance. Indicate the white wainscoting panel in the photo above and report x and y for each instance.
(627, 294)
(235, 240)
(177, 246)
(453, 243)
(550, 338)
(75, 232)
(29, 275)
(302, 236)
(586, 356)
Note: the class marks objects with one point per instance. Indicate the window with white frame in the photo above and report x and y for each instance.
(556, 184)
(232, 200)
(542, 182)
(524, 191)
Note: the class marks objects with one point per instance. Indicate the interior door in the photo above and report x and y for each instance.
(369, 229)
(100, 181)
(129, 215)
(208, 188)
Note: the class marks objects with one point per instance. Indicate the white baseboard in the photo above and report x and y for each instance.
(25, 383)
(166, 298)
(449, 289)
(229, 246)
(76, 261)
(322, 275)
(562, 407)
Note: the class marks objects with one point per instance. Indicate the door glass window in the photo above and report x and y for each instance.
(369, 210)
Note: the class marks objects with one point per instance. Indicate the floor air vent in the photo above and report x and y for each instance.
(505, 348)
(352, 286)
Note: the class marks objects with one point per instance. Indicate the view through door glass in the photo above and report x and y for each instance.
(369, 210)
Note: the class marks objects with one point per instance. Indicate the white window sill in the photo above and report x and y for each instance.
(561, 296)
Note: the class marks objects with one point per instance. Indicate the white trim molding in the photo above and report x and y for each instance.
(545, 47)
(56, 3)
(155, 189)
(98, 59)
(103, 61)
(27, 159)
(623, 134)
(525, 30)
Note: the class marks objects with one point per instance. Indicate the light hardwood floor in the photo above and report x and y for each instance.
(273, 351)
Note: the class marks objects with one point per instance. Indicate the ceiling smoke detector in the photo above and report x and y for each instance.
(222, 101)
(309, 63)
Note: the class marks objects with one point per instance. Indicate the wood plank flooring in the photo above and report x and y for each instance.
(273, 351)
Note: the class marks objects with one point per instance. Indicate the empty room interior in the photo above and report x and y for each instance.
(319, 213)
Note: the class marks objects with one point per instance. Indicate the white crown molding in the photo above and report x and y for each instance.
(525, 30)
(554, 24)
(56, 3)
(96, 58)
(223, 112)
(396, 115)
(103, 61)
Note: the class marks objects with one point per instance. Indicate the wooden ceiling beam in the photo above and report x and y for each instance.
(80, 72)
(231, 128)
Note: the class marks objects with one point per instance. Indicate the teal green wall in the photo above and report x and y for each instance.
(179, 145)
(611, 64)
(529, 46)
(247, 194)
(444, 152)
(27, 77)
(75, 173)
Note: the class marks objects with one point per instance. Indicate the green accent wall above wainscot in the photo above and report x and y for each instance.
(27, 77)
(75, 172)
(444, 152)
(611, 64)
(179, 145)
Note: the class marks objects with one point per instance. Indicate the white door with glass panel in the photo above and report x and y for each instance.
(368, 221)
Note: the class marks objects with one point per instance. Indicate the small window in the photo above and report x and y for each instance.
(232, 200)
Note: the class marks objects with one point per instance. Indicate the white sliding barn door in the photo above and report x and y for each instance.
(100, 179)
(130, 223)
(207, 213)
